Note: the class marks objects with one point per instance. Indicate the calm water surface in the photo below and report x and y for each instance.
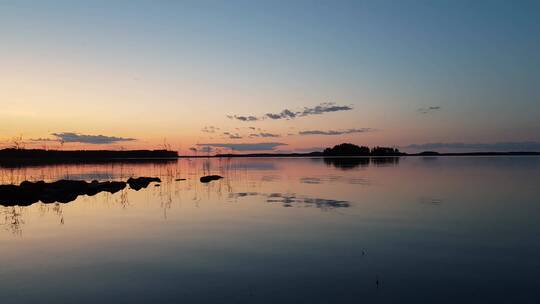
(429, 230)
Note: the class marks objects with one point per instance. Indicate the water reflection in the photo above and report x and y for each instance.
(347, 163)
(294, 200)
(310, 180)
(13, 219)
(354, 180)
(46, 162)
(179, 180)
(258, 234)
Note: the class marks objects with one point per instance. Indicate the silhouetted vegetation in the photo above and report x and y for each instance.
(44, 162)
(36, 154)
(348, 149)
(385, 151)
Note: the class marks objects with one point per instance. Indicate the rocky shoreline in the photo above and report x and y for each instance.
(65, 191)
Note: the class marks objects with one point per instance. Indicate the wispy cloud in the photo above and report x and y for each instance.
(264, 134)
(243, 118)
(428, 110)
(285, 114)
(232, 136)
(322, 108)
(325, 108)
(265, 146)
(42, 139)
(206, 149)
(71, 137)
(334, 132)
(498, 146)
(209, 129)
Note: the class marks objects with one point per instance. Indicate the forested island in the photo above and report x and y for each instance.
(344, 149)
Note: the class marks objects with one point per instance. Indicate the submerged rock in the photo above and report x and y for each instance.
(63, 191)
(141, 182)
(209, 178)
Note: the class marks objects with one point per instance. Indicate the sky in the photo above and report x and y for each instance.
(286, 76)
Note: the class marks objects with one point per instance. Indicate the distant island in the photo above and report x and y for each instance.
(344, 149)
(352, 150)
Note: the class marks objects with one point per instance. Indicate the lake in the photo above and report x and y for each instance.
(281, 230)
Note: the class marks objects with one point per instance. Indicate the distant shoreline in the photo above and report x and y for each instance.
(38, 156)
(321, 155)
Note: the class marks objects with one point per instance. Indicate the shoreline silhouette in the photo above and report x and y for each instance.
(11, 157)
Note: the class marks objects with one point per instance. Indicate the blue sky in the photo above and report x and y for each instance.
(166, 69)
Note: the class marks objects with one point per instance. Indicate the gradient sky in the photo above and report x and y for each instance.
(149, 72)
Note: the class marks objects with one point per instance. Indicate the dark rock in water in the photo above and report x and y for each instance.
(209, 178)
(141, 182)
(63, 191)
(111, 187)
(157, 185)
(180, 179)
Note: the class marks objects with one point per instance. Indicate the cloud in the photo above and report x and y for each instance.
(265, 146)
(206, 149)
(498, 146)
(325, 108)
(264, 134)
(285, 114)
(243, 118)
(201, 149)
(322, 108)
(41, 139)
(71, 137)
(334, 132)
(232, 136)
(209, 129)
(429, 109)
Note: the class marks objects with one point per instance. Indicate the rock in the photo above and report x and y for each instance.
(141, 182)
(209, 178)
(63, 191)
(111, 187)
(180, 179)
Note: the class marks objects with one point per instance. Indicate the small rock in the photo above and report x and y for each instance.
(209, 178)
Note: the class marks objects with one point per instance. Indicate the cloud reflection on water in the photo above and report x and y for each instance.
(294, 200)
